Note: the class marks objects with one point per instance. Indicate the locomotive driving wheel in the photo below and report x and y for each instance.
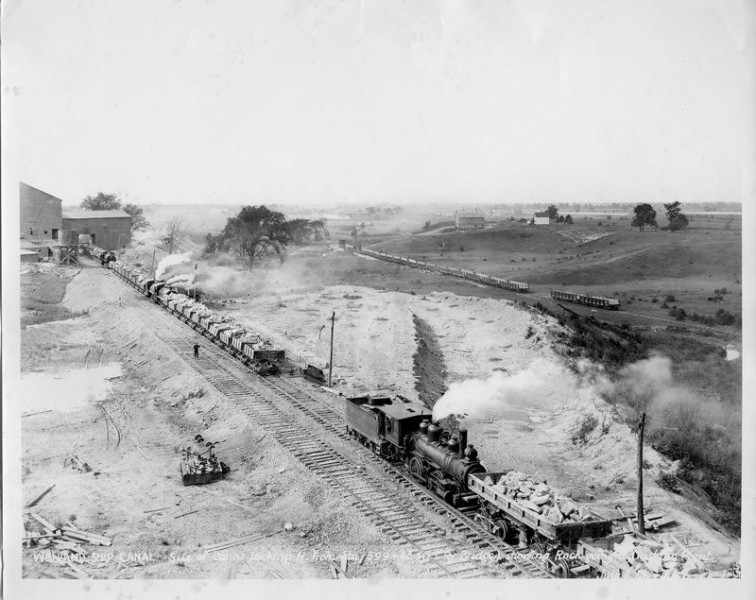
(416, 468)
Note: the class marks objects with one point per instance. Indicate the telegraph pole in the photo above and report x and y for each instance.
(641, 516)
(330, 362)
(152, 272)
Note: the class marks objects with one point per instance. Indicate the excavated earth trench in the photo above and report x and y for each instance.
(429, 366)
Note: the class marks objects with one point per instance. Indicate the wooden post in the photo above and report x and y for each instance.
(119, 245)
(641, 514)
(330, 362)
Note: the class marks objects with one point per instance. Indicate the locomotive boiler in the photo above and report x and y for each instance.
(444, 462)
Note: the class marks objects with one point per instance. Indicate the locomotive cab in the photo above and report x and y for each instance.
(382, 424)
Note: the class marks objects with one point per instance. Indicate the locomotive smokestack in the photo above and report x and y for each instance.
(462, 434)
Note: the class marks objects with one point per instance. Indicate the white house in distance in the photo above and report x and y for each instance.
(541, 218)
(469, 220)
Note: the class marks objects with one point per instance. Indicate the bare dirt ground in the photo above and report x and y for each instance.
(130, 433)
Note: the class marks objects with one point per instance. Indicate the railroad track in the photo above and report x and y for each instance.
(261, 398)
(481, 554)
(442, 555)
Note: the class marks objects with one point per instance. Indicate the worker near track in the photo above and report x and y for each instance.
(196, 350)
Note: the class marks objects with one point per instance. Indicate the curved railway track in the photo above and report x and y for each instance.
(471, 552)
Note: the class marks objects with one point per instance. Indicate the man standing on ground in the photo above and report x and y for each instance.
(196, 350)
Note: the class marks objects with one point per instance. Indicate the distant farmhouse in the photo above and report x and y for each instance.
(541, 218)
(469, 220)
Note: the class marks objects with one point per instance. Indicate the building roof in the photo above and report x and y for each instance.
(470, 215)
(95, 214)
(538, 214)
(23, 185)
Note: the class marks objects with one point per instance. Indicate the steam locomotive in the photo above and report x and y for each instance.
(401, 430)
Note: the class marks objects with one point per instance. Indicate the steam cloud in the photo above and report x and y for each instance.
(170, 261)
(487, 398)
(646, 385)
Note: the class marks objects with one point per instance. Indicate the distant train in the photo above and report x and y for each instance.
(507, 284)
(597, 301)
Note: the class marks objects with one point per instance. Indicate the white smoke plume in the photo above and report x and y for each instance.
(646, 385)
(186, 279)
(171, 261)
(536, 386)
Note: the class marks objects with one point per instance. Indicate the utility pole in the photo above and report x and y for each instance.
(330, 362)
(641, 515)
(194, 283)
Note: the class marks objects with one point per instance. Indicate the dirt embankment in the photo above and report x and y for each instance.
(430, 370)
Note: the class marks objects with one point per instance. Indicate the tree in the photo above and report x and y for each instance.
(101, 202)
(175, 233)
(676, 219)
(212, 243)
(111, 202)
(137, 216)
(255, 232)
(560, 219)
(553, 212)
(644, 215)
(427, 226)
(568, 220)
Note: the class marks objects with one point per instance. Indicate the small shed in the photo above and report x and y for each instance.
(29, 256)
(107, 228)
(541, 218)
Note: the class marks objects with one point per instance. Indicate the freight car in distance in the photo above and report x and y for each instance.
(596, 301)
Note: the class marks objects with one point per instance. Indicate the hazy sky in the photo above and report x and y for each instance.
(295, 101)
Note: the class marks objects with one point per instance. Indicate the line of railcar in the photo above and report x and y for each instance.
(586, 300)
(247, 346)
(507, 284)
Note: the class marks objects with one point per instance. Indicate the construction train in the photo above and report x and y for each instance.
(506, 284)
(182, 301)
(402, 431)
(399, 430)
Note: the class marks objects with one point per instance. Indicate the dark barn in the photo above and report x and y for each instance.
(108, 228)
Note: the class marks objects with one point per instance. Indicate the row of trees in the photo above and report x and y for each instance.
(645, 215)
(257, 231)
(112, 202)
